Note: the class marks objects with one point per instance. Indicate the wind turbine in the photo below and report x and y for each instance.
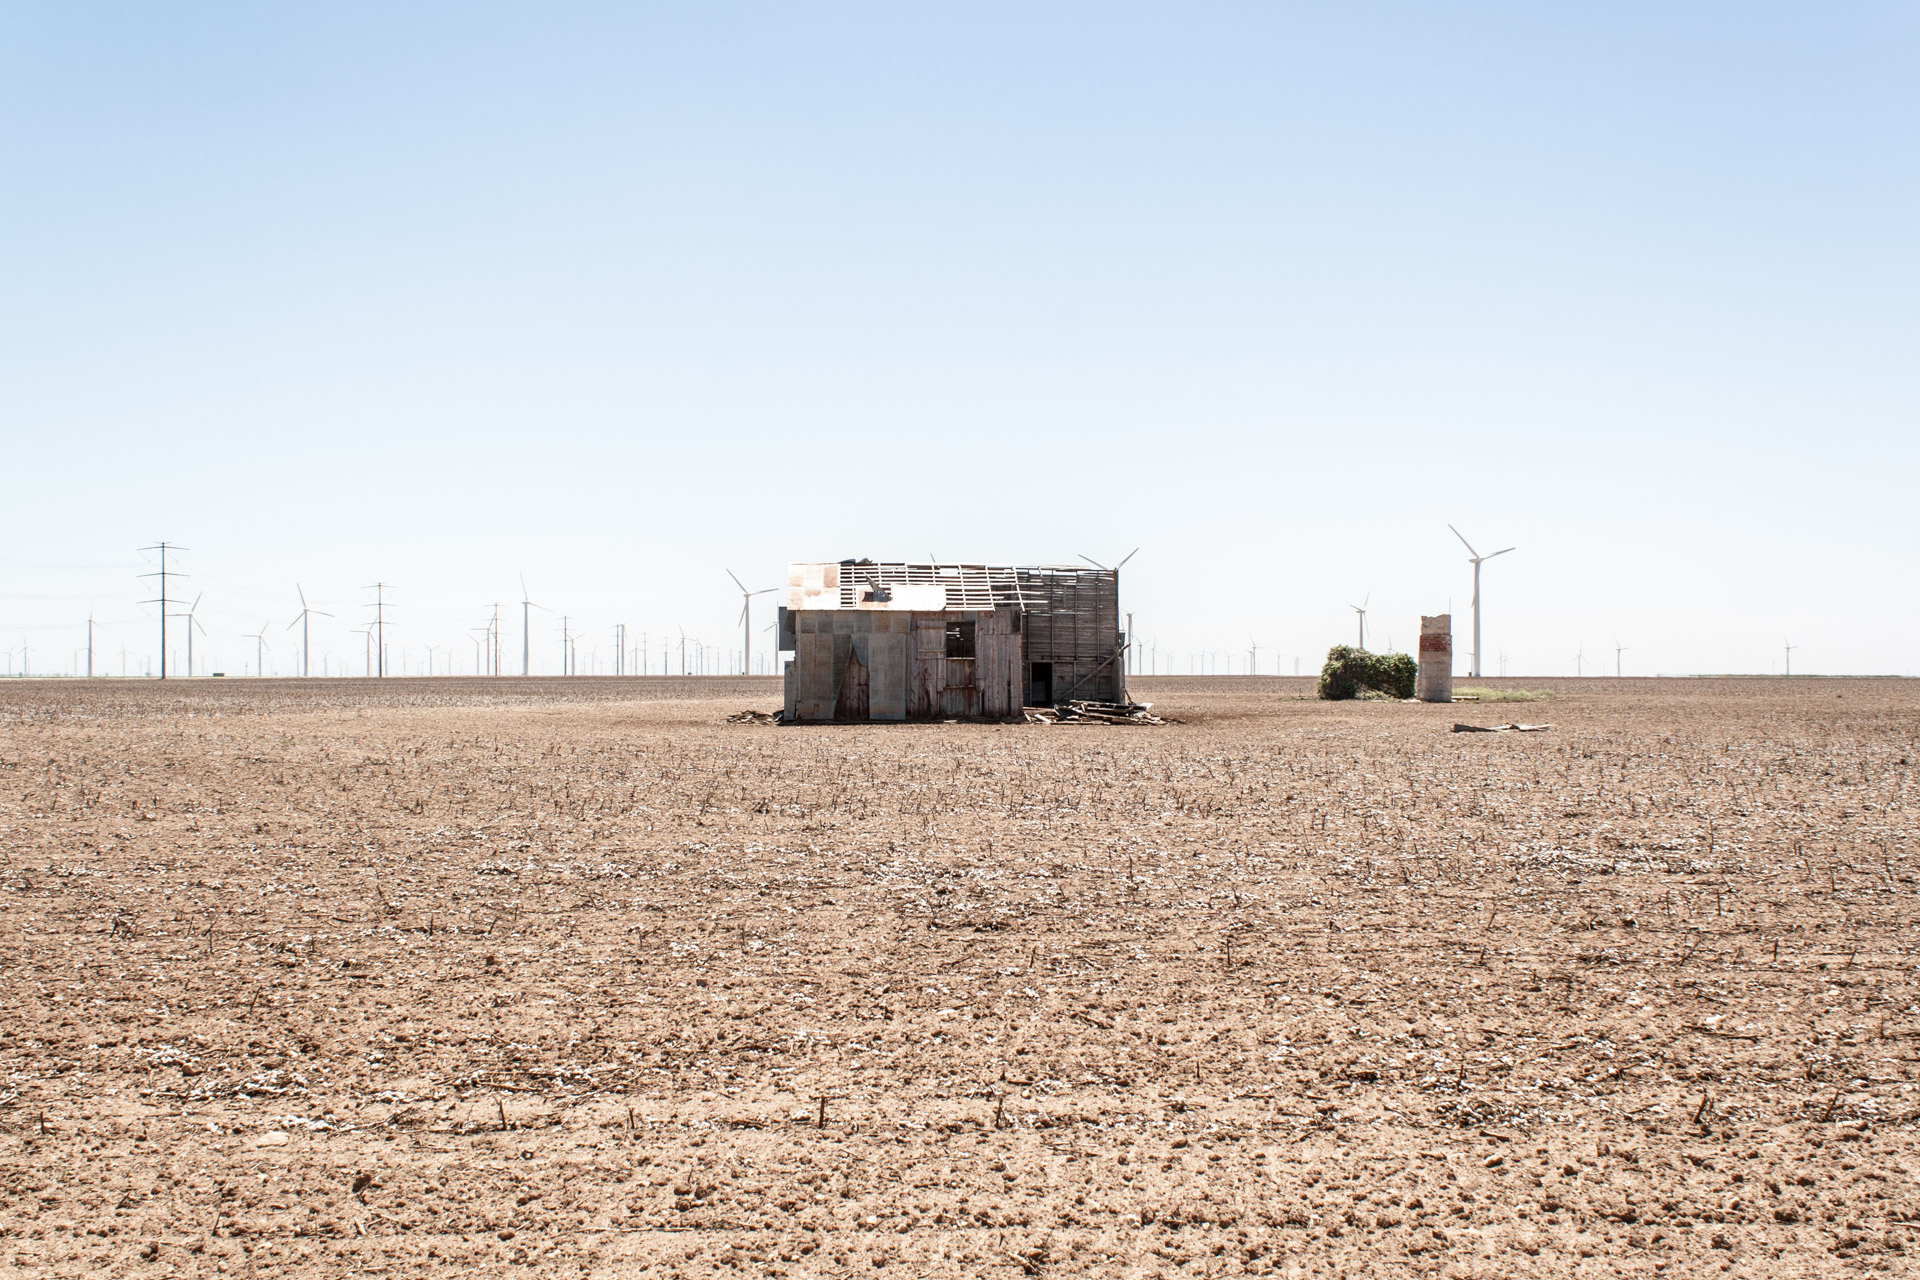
(1116, 568)
(526, 645)
(1361, 609)
(1475, 558)
(193, 622)
(1618, 649)
(746, 621)
(1790, 648)
(259, 639)
(306, 654)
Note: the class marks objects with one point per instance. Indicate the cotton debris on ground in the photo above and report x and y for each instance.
(314, 978)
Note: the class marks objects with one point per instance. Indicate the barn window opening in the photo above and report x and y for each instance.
(960, 639)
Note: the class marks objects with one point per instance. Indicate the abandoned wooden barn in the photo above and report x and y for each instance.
(875, 641)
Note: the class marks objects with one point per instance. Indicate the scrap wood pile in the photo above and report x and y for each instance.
(1100, 712)
(1501, 728)
(754, 717)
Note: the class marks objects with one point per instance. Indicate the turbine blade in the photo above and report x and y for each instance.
(736, 580)
(1464, 542)
(1130, 555)
(1501, 552)
(1095, 563)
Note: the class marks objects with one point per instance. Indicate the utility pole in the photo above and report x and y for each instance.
(379, 590)
(162, 548)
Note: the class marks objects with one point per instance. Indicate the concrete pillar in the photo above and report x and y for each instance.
(1435, 681)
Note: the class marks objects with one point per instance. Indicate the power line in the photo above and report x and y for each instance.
(162, 548)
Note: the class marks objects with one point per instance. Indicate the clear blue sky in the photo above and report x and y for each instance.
(618, 297)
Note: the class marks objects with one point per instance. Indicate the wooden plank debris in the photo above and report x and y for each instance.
(1071, 712)
(1501, 728)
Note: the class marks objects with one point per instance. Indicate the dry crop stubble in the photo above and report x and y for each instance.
(331, 974)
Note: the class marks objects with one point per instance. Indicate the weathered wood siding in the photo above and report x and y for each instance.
(867, 664)
(1073, 621)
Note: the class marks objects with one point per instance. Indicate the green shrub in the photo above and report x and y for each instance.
(1350, 670)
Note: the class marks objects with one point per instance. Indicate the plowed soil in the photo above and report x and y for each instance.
(308, 978)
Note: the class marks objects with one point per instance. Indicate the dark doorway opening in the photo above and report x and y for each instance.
(1039, 684)
(960, 639)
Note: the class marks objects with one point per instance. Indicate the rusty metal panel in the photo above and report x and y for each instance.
(851, 701)
(927, 674)
(961, 700)
(814, 671)
(887, 675)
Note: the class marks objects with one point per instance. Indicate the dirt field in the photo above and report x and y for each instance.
(317, 978)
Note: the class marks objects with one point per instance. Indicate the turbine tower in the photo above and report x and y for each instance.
(192, 624)
(259, 651)
(746, 621)
(526, 643)
(1790, 648)
(1361, 609)
(306, 653)
(1618, 649)
(1476, 559)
